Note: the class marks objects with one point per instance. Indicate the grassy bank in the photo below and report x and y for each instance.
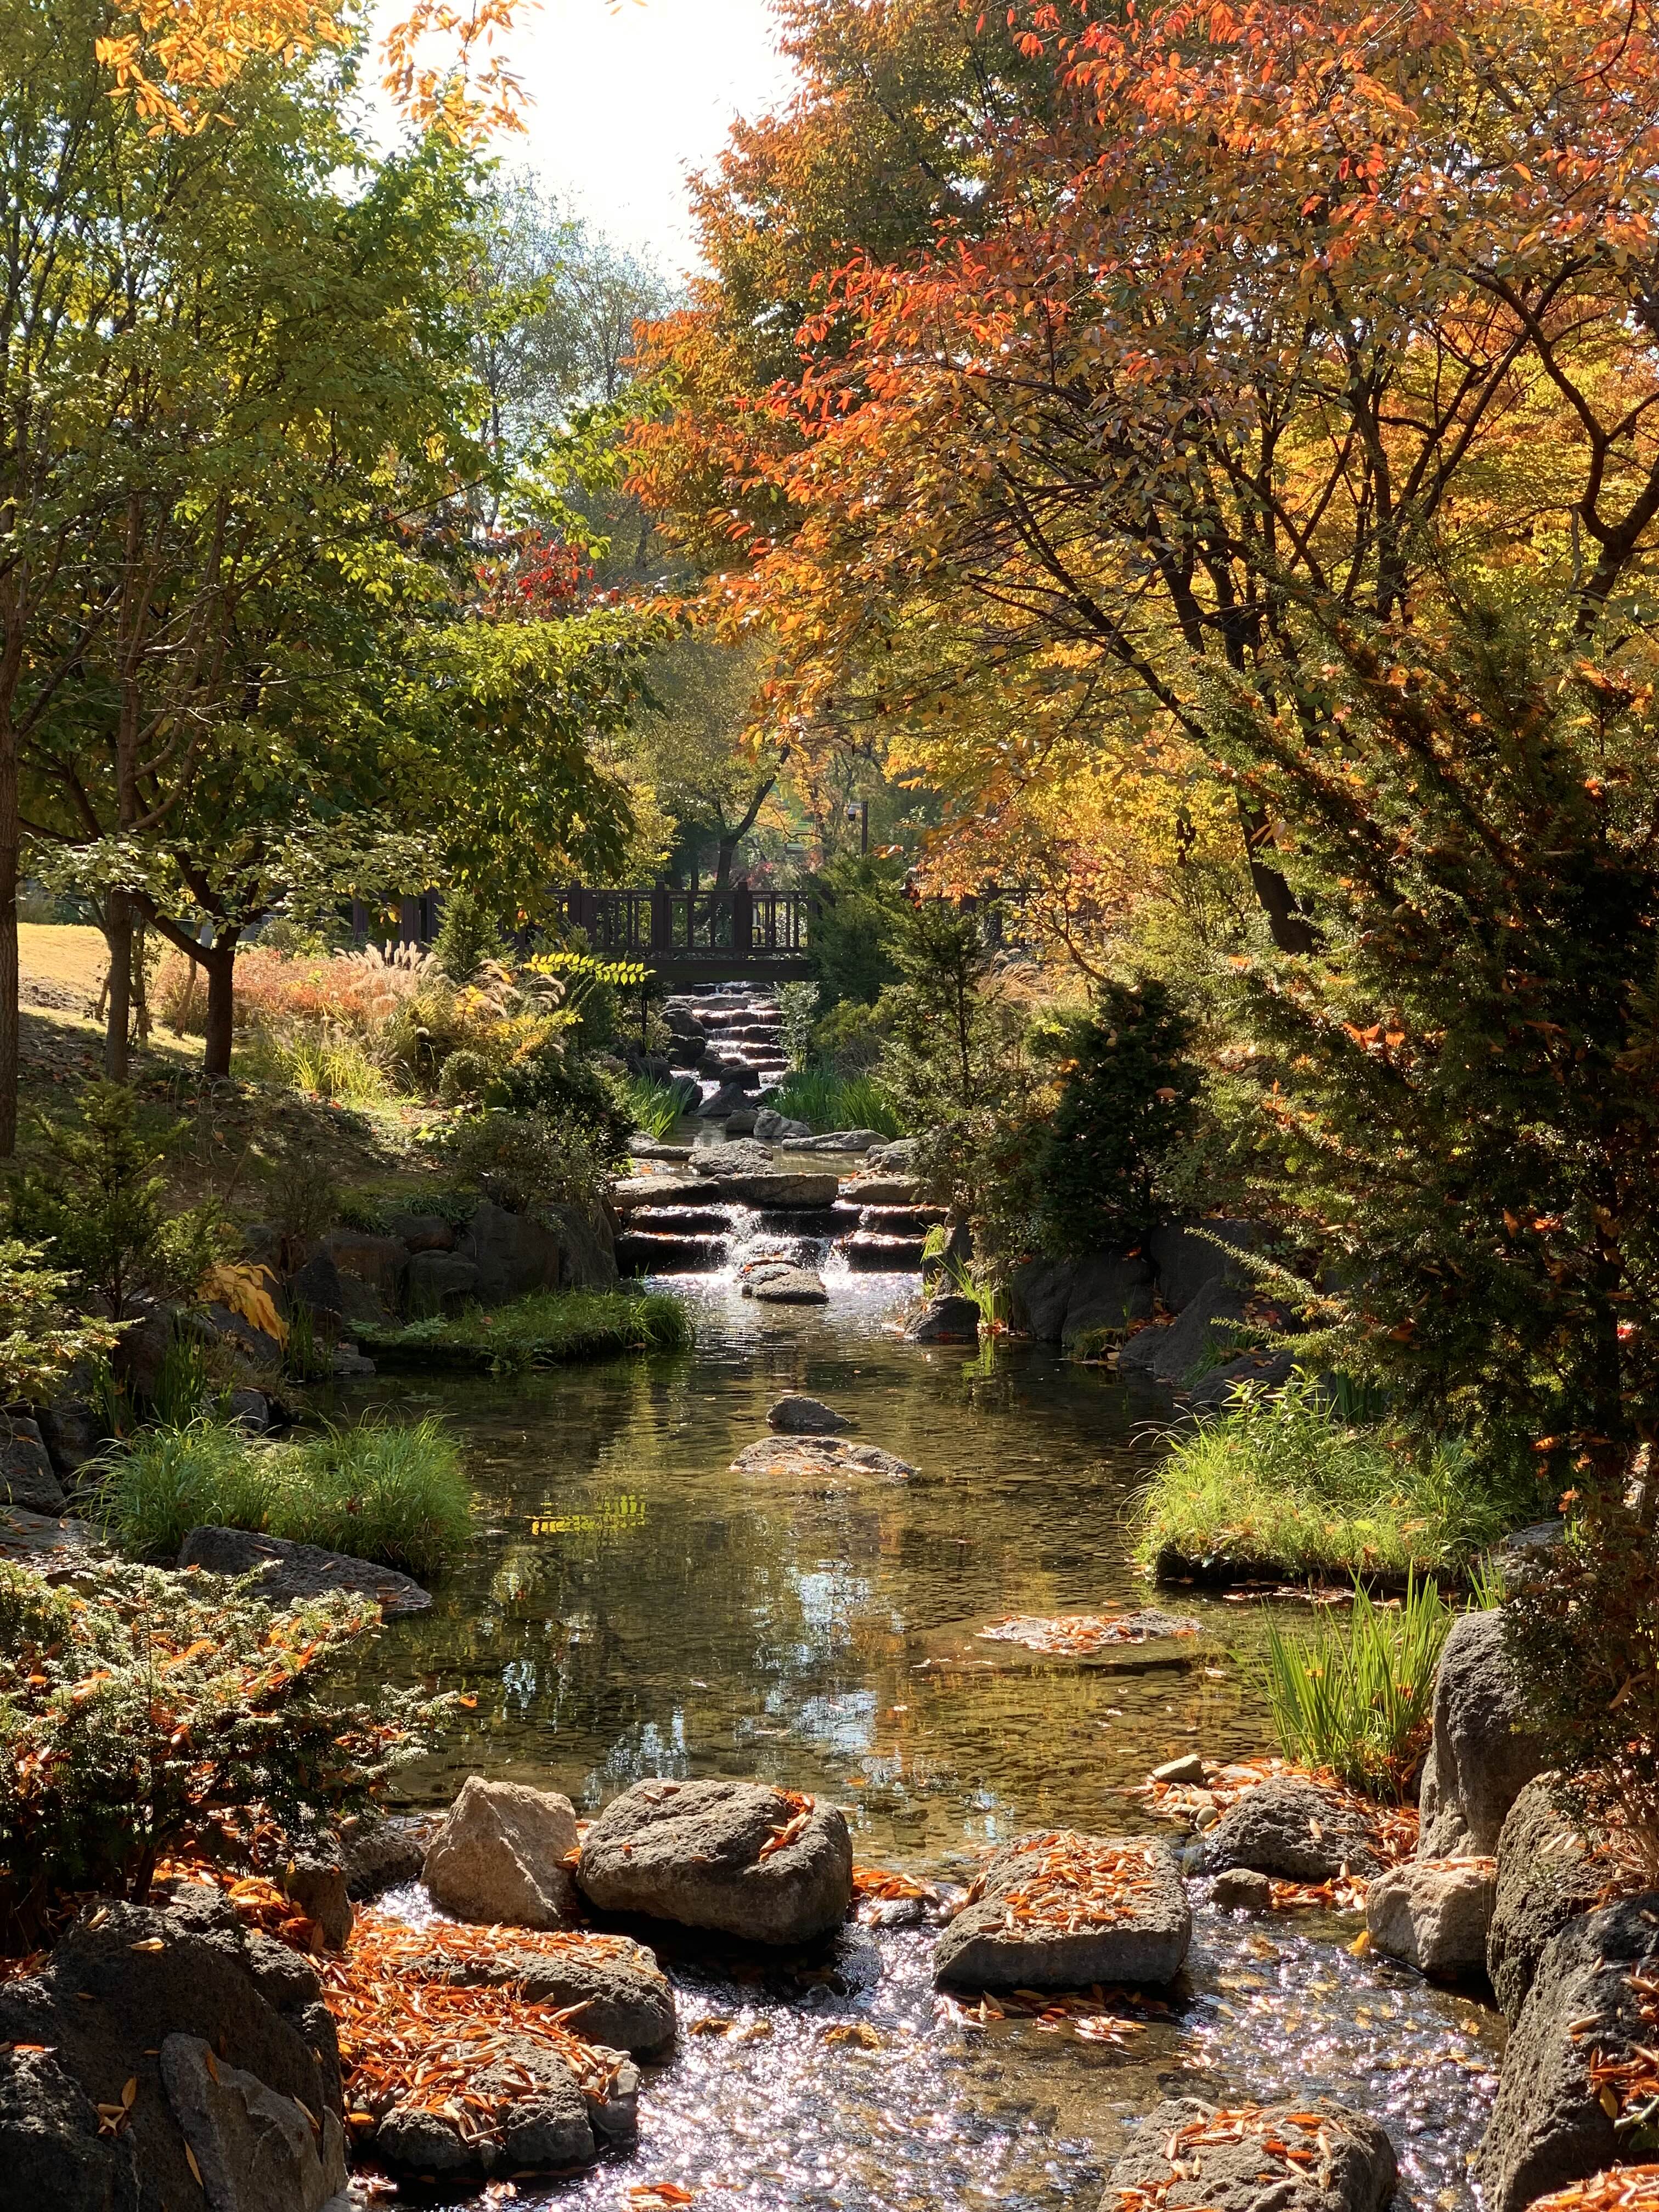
(826, 1101)
(546, 1329)
(1282, 1487)
(1353, 1693)
(389, 1491)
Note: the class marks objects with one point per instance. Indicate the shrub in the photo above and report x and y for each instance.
(530, 1162)
(1282, 1486)
(466, 1075)
(39, 1340)
(1126, 1095)
(543, 1330)
(826, 1101)
(1355, 1695)
(140, 1715)
(1581, 1624)
(860, 913)
(798, 1014)
(103, 1206)
(656, 1107)
(468, 934)
(393, 1492)
(850, 1038)
(562, 1086)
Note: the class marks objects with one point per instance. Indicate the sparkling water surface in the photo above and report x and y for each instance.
(630, 1608)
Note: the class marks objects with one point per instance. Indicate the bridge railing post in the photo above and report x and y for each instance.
(742, 919)
(662, 921)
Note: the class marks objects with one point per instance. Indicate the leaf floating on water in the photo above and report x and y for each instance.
(853, 2031)
(649, 2196)
(711, 2024)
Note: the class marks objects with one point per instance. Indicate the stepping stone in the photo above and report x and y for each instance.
(288, 1571)
(1434, 1913)
(1294, 1829)
(739, 1857)
(778, 1286)
(620, 1995)
(1062, 1911)
(546, 2123)
(798, 1416)
(1313, 2157)
(501, 1856)
(869, 1253)
(814, 1457)
(46, 1541)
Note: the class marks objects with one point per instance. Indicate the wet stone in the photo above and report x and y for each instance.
(816, 1456)
(615, 1991)
(1292, 1828)
(289, 1570)
(1187, 2154)
(799, 1416)
(1061, 1910)
(500, 1856)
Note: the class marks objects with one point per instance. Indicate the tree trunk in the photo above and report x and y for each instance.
(9, 848)
(1290, 928)
(117, 934)
(220, 961)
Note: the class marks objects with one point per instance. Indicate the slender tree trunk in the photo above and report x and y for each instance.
(220, 961)
(1290, 928)
(9, 852)
(118, 931)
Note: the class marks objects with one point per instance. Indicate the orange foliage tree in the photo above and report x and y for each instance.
(1255, 311)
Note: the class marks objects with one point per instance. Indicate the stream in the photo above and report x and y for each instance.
(629, 1608)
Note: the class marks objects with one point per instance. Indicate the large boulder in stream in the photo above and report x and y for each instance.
(502, 1855)
(288, 1572)
(1434, 1913)
(1293, 1828)
(1306, 2157)
(809, 1458)
(548, 2121)
(1547, 1877)
(1062, 1911)
(1482, 1754)
(740, 1858)
(614, 1989)
(946, 1320)
(1589, 2008)
(157, 2035)
(795, 1415)
(782, 1282)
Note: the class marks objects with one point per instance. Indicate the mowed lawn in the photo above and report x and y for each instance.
(64, 953)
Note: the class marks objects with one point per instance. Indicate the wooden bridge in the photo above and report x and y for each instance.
(731, 936)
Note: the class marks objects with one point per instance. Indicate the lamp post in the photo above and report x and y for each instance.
(858, 810)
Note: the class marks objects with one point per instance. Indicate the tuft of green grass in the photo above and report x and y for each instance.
(1282, 1486)
(656, 1107)
(546, 1329)
(325, 1061)
(826, 1101)
(389, 1491)
(1356, 1694)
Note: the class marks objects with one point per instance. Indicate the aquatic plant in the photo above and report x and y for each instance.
(1283, 1486)
(546, 1329)
(656, 1107)
(1355, 1694)
(826, 1101)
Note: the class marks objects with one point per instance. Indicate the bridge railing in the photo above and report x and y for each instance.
(664, 924)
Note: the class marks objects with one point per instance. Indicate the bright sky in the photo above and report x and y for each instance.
(625, 102)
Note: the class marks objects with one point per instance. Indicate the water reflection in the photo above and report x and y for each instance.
(632, 1607)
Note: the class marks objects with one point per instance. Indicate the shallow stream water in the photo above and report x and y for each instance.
(630, 1608)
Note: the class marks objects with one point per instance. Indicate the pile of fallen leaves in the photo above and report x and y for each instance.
(262, 1903)
(1069, 1882)
(1072, 1635)
(873, 1884)
(797, 1811)
(1620, 2189)
(1627, 2089)
(1310, 2152)
(1084, 2013)
(408, 2041)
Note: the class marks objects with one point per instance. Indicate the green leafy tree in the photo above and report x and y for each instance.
(859, 916)
(1127, 1088)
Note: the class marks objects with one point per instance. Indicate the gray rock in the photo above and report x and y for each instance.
(781, 1285)
(1265, 1370)
(1548, 2128)
(948, 1320)
(812, 1457)
(1170, 2164)
(743, 1122)
(1185, 1259)
(1434, 1913)
(348, 1363)
(1141, 1937)
(883, 1189)
(289, 1570)
(105, 2007)
(317, 1884)
(1482, 1755)
(797, 1416)
(1189, 1769)
(543, 2128)
(52, 1546)
(1242, 1889)
(897, 1157)
(1055, 1300)
(249, 1411)
(255, 2150)
(781, 1190)
(441, 1283)
(382, 1263)
(53, 2154)
(27, 1478)
(587, 1253)
(423, 1232)
(500, 1856)
(730, 1097)
(620, 1996)
(1183, 1350)
(1292, 1828)
(72, 1432)
(319, 1285)
(872, 1252)
(773, 1128)
(142, 1347)
(691, 1852)
(839, 1140)
(381, 1855)
(512, 1254)
(1547, 1877)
